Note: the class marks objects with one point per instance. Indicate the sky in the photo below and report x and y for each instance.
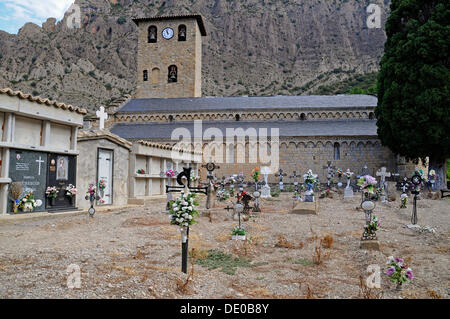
(15, 13)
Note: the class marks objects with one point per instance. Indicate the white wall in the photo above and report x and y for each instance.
(27, 131)
(60, 136)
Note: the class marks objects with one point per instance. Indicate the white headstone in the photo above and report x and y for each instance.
(102, 115)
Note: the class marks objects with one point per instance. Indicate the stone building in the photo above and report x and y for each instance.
(103, 156)
(304, 132)
(38, 149)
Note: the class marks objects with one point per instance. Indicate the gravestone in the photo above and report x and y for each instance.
(30, 168)
(383, 174)
(330, 173)
(348, 192)
(61, 173)
(265, 190)
(280, 176)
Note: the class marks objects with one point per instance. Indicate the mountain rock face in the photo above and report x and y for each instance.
(253, 47)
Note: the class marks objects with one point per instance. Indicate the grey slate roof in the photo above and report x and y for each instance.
(157, 130)
(244, 103)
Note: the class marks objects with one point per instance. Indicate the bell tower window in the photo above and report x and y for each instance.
(173, 74)
(182, 33)
(145, 75)
(152, 34)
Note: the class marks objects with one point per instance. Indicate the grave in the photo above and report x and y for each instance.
(383, 174)
(280, 176)
(348, 192)
(29, 168)
(306, 208)
(265, 190)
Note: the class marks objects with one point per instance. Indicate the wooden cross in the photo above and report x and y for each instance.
(102, 115)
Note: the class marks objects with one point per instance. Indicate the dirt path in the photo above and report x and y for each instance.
(135, 253)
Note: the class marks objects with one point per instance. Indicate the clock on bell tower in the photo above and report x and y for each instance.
(170, 56)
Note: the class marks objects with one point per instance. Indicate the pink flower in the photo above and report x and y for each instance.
(409, 274)
(390, 271)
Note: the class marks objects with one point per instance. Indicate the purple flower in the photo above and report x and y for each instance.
(409, 274)
(390, 271)
(399, 260)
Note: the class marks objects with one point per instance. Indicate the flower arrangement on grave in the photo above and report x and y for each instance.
(398, 271)
(92, 189)
(16, 192)
(51, 192)
(310, 179)
(372, 226)
(71, 190)
(170, 173)
(182, 210)
(404, 200)
(238, 231)
(141, 171)
(28, 202)
(339, 172)
(222, 195)
(366, 183)
(256, 174)
(102, 185)
(379, 192)
(240, 195)
(193, 178)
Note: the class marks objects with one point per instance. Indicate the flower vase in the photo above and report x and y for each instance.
(399, 287)
(72, 200)
(51, 201)
(102, 193)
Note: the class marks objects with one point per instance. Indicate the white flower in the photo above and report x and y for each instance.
(186, 224)
(390, 260)
(174, 205)
(176, 209)
(190, 217)
(170, 217)
(190, 208)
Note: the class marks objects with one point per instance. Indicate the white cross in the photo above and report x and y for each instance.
(40, 161)
(383, 175)
(102, 116)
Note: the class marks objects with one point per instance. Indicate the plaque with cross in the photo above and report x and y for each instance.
(103, 116)
(330, 172)
(280, 175)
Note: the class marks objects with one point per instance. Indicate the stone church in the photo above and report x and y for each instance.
(303, 132)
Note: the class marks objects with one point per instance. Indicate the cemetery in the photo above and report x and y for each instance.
(119, 205)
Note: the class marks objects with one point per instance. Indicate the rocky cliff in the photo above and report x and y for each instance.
(253, 47)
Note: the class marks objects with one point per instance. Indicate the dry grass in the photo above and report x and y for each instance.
(327, 241)
(433, 294)
(366, 292)
(284, 243)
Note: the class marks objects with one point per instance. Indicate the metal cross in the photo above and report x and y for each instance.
(294, 177)
(210, 167)
(280, 176)
(330, 172)
(177, 189)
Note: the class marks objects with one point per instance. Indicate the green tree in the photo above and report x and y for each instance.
(413, 83)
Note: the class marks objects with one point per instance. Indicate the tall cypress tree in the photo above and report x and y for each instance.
(413, 116)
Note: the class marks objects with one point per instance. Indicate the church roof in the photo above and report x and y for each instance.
(157, 130)
(198, 17)
(245, 103)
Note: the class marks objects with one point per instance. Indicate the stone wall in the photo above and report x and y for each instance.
(87, 170)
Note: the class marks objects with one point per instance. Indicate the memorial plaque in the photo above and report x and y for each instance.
(61, 171)
(30, 168)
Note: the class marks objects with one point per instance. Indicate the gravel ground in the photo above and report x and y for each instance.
(135, 253)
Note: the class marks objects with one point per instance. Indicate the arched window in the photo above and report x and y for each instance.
(152, 34)
(145, 75)
(170, 118)
(230, 153)
(371, 116)
(173, 74)
(155, 76)
(337, 151)
(302, 116)
(182, 33)
(237, 117)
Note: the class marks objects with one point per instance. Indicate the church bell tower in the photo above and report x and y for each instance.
(170, 56)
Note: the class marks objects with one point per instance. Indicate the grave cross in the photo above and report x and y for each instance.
(280, 176)
(330, 172)
(39, 161)
(294, 177)
(102, 116)
(383, 174)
